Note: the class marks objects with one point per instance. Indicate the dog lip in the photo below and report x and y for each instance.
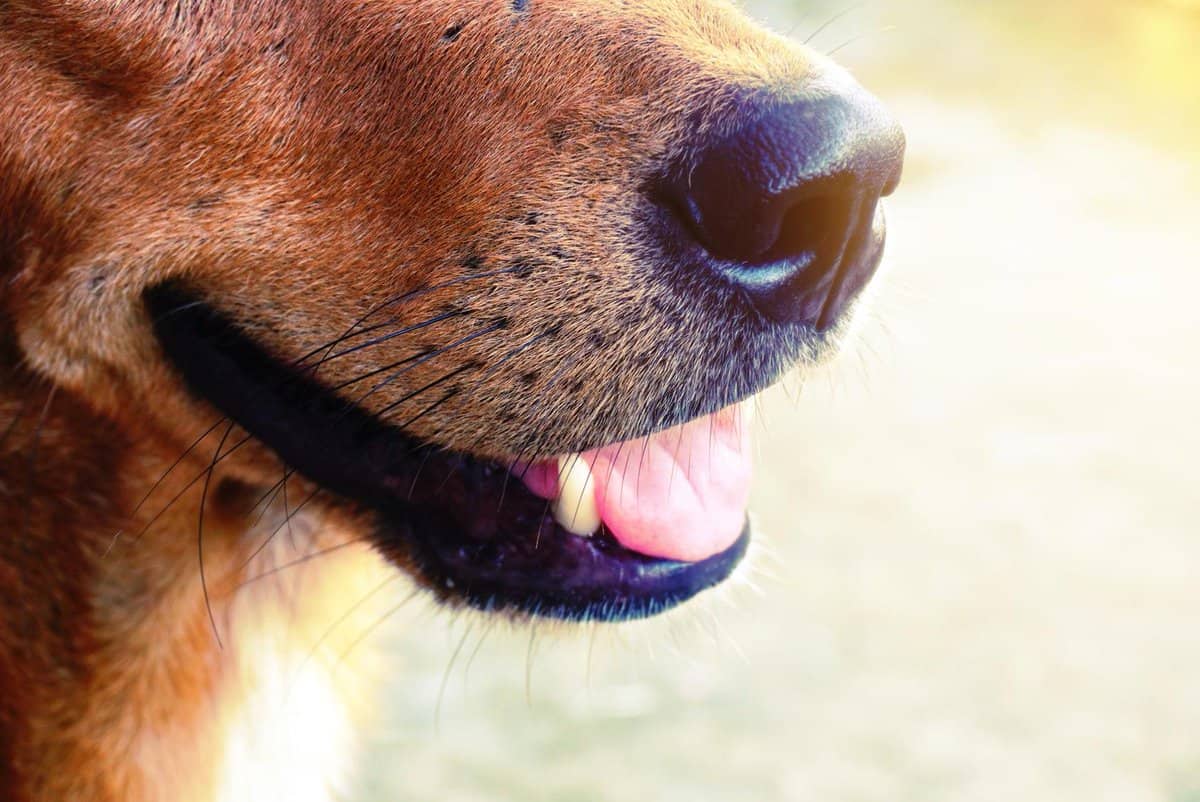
(461, 525)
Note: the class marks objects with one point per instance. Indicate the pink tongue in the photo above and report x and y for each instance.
(680, 494)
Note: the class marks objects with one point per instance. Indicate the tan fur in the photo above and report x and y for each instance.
(301, 163)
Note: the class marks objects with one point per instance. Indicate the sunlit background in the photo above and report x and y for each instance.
(983, 578)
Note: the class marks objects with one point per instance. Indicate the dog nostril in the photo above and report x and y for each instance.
(782, 202)
(808, 228)
(763, 231)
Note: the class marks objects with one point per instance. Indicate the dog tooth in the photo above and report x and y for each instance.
(575, 508)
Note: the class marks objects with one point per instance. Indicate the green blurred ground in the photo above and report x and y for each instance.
(985, 571)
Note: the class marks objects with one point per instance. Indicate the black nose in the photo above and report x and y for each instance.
(785, 205)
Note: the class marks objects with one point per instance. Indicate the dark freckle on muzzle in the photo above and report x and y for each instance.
(98, 278)
(523, 268)
(205, 202)
(558, 134)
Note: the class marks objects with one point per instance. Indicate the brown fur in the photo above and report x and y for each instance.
(302, 163)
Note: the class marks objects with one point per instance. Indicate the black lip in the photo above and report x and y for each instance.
(462, 525)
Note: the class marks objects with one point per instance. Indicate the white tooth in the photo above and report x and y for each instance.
(575, 508)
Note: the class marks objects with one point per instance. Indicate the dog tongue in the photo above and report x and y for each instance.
(680, 494)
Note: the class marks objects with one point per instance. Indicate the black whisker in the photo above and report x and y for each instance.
(386, 410)
(163, 476)
(391, 335)
(511, 354)
(445, 397)
(200, 533)
(267, 499)
(479, 382)
(286, 522)
(411, 362)
(405, 296)
(508, 475)
(175, 498)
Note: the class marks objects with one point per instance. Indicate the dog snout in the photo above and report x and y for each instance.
(784, 201)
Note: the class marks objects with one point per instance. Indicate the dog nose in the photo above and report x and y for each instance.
(785, 203)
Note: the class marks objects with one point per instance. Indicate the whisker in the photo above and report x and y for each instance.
(376, 624)
(202, 474)
(625, 471)
(529, 667)
(558, 374)
(711, 426)
(312, 555)
(175, 465)
(200, 534)
(287, 514)
(479, 382)
(349, 334)
(587, 671)
(346, 616)
(513, 353)
(642, 463)
(861, 36)
(674, 463)
(286, 522)
(475, 653)
(587, 486)
(428, 448)
(268, 498)
(508, 475)
(391, 335)
(611, 467)
(844, 12)
(392, 406)
(437, 709)
(410, 294)
(415, 361)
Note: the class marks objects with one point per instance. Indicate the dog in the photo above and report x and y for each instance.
(301, 297)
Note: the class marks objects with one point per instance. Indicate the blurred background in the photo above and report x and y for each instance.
(981, 578)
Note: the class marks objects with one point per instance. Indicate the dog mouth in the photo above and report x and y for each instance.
(624, 531)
